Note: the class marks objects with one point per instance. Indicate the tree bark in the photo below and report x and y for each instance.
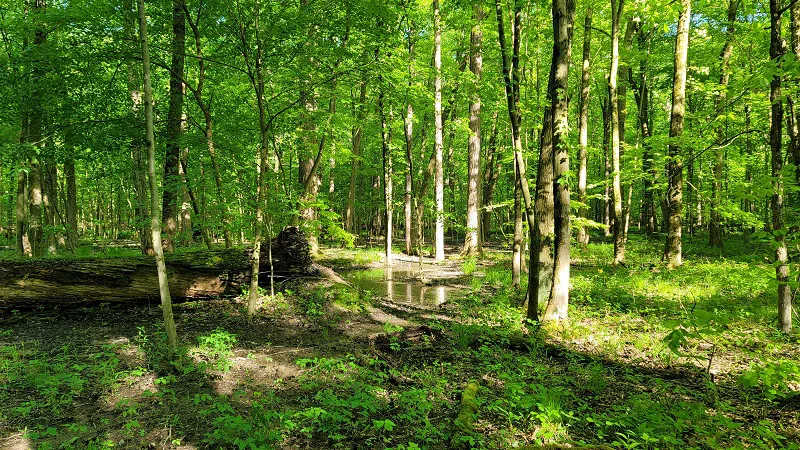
(155, 223)
(257, 80)
(583, 125)
(511, 78)
(563, 20)
(490, 176)
(776, 52)
(23, 242)
(673, 248)
(472, 244)
(387, 181)
(175, 119)
(408, 134)
(715, 225)
(34, 137)
(616, 134)
(439, 144)
(641, 91)
(358, 130)
(71, 204)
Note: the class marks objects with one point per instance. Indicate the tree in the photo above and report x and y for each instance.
(583, 125)
(439, 143)
(563, 20)
(175, 124)
(616, 132)
(673, 247)
(777, 49)
(472, 244)
(155, 223)
(715, 225)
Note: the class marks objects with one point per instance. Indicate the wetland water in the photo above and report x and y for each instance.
(401, 284)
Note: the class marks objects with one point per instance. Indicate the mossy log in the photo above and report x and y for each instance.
(192, 275)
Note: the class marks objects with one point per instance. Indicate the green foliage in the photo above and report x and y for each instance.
(217, 346)
(777, 380)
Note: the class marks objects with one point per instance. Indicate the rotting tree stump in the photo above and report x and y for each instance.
(192, 275)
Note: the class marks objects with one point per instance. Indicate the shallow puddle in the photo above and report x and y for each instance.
(401, 285)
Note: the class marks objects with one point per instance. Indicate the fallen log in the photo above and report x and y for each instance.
(192, 275)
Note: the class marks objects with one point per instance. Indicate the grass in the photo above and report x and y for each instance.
(650, 359)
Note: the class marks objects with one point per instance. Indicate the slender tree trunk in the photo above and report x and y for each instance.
(139, 159)
(174, 127)
(776, 53)
(387, 181)
(34, 137)
(472, 244)
(608, 207)
(794, 127)
(749, 202)
(516, 255)
(673, 247)
(71, 204)
(408, 228)
(490, 176)
(349, 215)
(619, 221)
(49, 200)
(563, 20)
(715, 225)
(208, 132)
(259, 87)
(408, 133)
(23, 242)
(583, 125)
(439, 144)
(155, 223)
(642, 96)
(511, 78)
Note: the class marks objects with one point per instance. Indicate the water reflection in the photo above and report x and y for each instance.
(401, 285)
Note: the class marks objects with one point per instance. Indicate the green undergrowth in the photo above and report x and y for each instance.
(650, 359)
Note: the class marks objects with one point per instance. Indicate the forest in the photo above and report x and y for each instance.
(402, 224)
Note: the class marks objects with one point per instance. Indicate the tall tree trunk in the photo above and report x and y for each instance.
(583, 125)
(172, 184)
(715, 225)
(34, 137)
(208, 132)
(491, 174)
(139, 159)
(619, 221)
(516, 253)
(608, 207)
(349, 215)
(776, 53)
(563, 20)
(408, 228)
(511, 78)
(23, 241)
(257, 80)
(472, 243)
(673, 247)
(387, 180)
(49, 201)
(439, 144)
(71, 204)
(749, 202)
(408, 133)
(794, 127)
(155, 223)
(642, 96)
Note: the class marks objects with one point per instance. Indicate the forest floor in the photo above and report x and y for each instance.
(650, 358)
